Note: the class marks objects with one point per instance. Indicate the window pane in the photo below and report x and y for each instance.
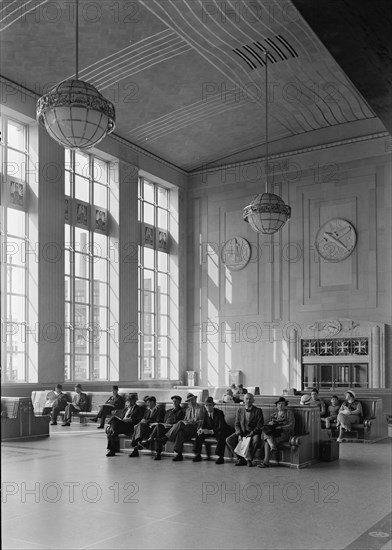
(16, 309)
(100, 343)
(67, 187)
(67, 367)
(16, 164)
(162, 367)
(16, 279)
(100, 294)
(67, 262)
(100, 195)
(82, 265)
(148, 279)
(81, 367)
(148, 214)
(162, 283)
(67, 340)
(162, 197)
(16, 222)
(149, 256)
(100, 318)
(149, 302)
(15, 367)
(100, 269)
(162, 218)
(148, 327)
(81, 341)
(148, 192)
(100, 245)
(82, 189)
(162, 261)
(16, 135)
(163, 304)
(82, 288)
(82, 240)
(148, 363)
(82, 164)
(100, 170)
(163, 325)
(15, 251)
(67, 288)
(67, 313)
(81, 316)
(100, 367)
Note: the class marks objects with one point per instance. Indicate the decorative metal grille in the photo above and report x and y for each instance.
(335, 347)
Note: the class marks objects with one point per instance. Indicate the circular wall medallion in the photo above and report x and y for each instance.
(236, 253)
(335, 240)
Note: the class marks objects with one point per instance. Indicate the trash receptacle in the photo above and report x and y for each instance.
(329, 450)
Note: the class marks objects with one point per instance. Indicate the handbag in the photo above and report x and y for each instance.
(243, 447)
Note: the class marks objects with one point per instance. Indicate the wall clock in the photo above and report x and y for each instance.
(335, 240)
(236, 253)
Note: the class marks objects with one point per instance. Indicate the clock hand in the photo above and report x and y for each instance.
(330, 237)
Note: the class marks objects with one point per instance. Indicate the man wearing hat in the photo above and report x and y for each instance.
(214, 425)
(143, 429)
(249, 421)
(350, 412)
(187, 428)
(172, 416)
(79, 404)
(114, 402)
(56, 401)
(123, 423)
(280, 428)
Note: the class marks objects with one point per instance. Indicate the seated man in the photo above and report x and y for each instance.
(248, 423)
(114, 402)
(123, 423)
(79, 404)
(214, 425)
(187, 428)
(316, 401)
(332, 411)
(143, 430)
(241, 392)
(51, 398)
(172, 416)
(229, 397)
(279, 429)
(58, 400)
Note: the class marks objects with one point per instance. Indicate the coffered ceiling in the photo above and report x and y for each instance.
(187, 77)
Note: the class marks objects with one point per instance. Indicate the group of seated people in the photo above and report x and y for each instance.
(201, 422)
(335, 415)
(152, 427)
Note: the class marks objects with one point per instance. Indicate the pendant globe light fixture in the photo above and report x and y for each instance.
(267, 213)
(74, 112)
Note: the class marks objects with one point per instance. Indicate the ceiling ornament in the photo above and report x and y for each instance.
(268, 212)
(74, 113)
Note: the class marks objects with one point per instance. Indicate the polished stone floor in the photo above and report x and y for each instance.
(62, 492)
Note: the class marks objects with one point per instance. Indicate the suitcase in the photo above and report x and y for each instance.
(329, 451)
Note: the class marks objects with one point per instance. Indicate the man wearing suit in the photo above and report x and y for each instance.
(214, 425)
(142, 431)
(123, 424)
(79, 404)
(249, 422)
(114, 402)
(55, 397)
(187, 428)
(56, 401)
(172, 416)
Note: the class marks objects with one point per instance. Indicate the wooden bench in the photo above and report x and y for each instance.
(302, 450)
(98, 398)
(18, 420)
(368, 430)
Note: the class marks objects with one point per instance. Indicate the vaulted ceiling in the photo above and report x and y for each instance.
(187, 77)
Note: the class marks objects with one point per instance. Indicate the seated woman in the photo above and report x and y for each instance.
(349, 413)
(278, 430)
(332, 413)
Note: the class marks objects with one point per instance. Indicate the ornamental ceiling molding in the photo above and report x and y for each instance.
(292, 153)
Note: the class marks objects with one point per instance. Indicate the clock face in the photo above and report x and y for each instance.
(335, 240)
